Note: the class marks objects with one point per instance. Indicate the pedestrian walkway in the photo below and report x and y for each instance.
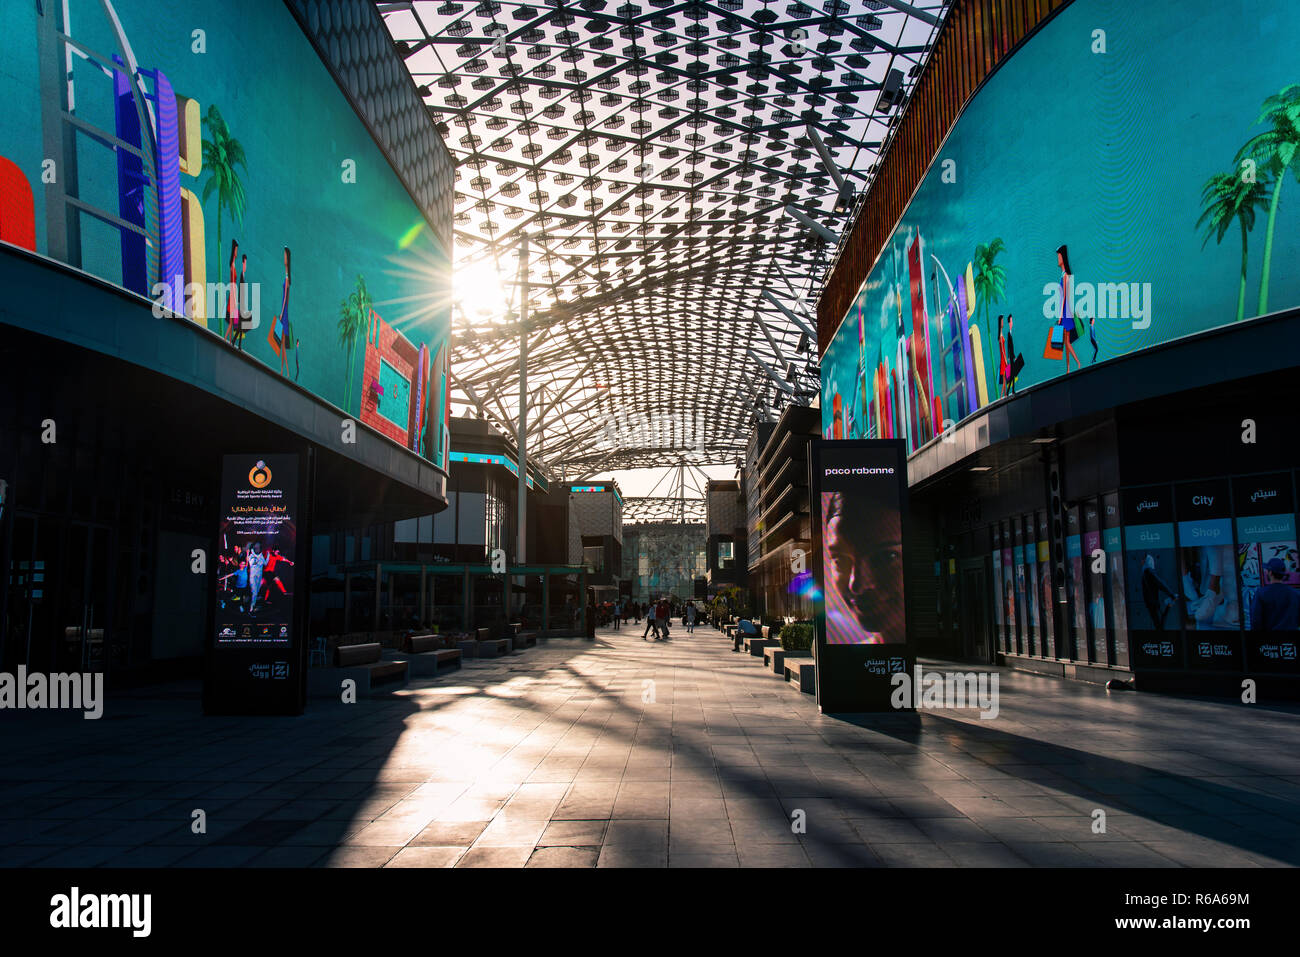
(630, 753)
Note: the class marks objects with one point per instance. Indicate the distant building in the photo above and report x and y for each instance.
(776, 476)
(728, 537)
(663, 559)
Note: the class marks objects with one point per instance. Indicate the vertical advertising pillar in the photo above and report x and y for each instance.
(256, 654)
(858, 498)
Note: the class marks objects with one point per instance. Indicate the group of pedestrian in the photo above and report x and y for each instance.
(658, 615)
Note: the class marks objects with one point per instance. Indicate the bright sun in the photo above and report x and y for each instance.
(479, 290)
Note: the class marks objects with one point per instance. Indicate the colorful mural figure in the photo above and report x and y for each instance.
(120, 125)
(926, 351)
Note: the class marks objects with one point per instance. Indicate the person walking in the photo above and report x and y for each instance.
(618, 615)
(591, 620)
(650, 624)
(663, 615)
(690, 618)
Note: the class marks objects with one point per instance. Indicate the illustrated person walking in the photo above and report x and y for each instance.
(1069, 332)
(1015, 361)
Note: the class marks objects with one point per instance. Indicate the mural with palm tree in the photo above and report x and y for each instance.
(222, 156)
(1274, 150)
(354, 317)
(990, 287)
(1229, 198)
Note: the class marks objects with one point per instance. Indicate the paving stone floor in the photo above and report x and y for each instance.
(627, 753)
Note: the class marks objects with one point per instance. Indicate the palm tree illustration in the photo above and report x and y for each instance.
(222, 154)
(1275, 149)
(990, 286)
(354, 313)
(1230, 197)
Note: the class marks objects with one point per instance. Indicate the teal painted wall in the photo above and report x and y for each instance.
(1107, 153)
(297, 130)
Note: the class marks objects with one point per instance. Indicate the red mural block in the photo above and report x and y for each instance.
(17, 207)
(386, 343)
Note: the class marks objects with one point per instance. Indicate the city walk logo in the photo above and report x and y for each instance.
(1103, 300)
(75, 910)
(936, 691)
(39, 692)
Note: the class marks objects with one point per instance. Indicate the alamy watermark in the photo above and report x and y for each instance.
(1102, 300)
(36, 691)
(211, 299)
(677, 430)
(939, 690)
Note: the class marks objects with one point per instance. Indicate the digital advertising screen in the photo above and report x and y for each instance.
(1268, 569)
(1149, 203)
(1113, 543)
(1152, 587)
(205, 159)
(1074, 573)
(1046, 603)
(257, 550)
(859, 489)
(999, 618)
(1208, 566)
(255, 657)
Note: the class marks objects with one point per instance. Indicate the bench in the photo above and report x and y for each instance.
(739, 638)
(363, 663)
(755, 644)
(489, 647)
(525, 639)
(774, 657)
(425, 655)
(802, 673)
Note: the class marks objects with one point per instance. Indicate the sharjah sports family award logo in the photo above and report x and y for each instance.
(260, 476)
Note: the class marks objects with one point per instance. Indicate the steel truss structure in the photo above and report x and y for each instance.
(682, 171)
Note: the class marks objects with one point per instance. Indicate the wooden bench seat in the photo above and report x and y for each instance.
(426, 656)
(363, 663)
(775, 657)
(493, 647)
(802, 673)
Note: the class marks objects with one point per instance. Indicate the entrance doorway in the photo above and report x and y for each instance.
(58, 610)
(975, 630)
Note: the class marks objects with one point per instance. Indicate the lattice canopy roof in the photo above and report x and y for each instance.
(682, 172)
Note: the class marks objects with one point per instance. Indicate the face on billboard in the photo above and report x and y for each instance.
(862, 553)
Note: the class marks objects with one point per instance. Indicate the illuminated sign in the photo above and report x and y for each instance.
(505, 461)
(255, 660)
(858, 590)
